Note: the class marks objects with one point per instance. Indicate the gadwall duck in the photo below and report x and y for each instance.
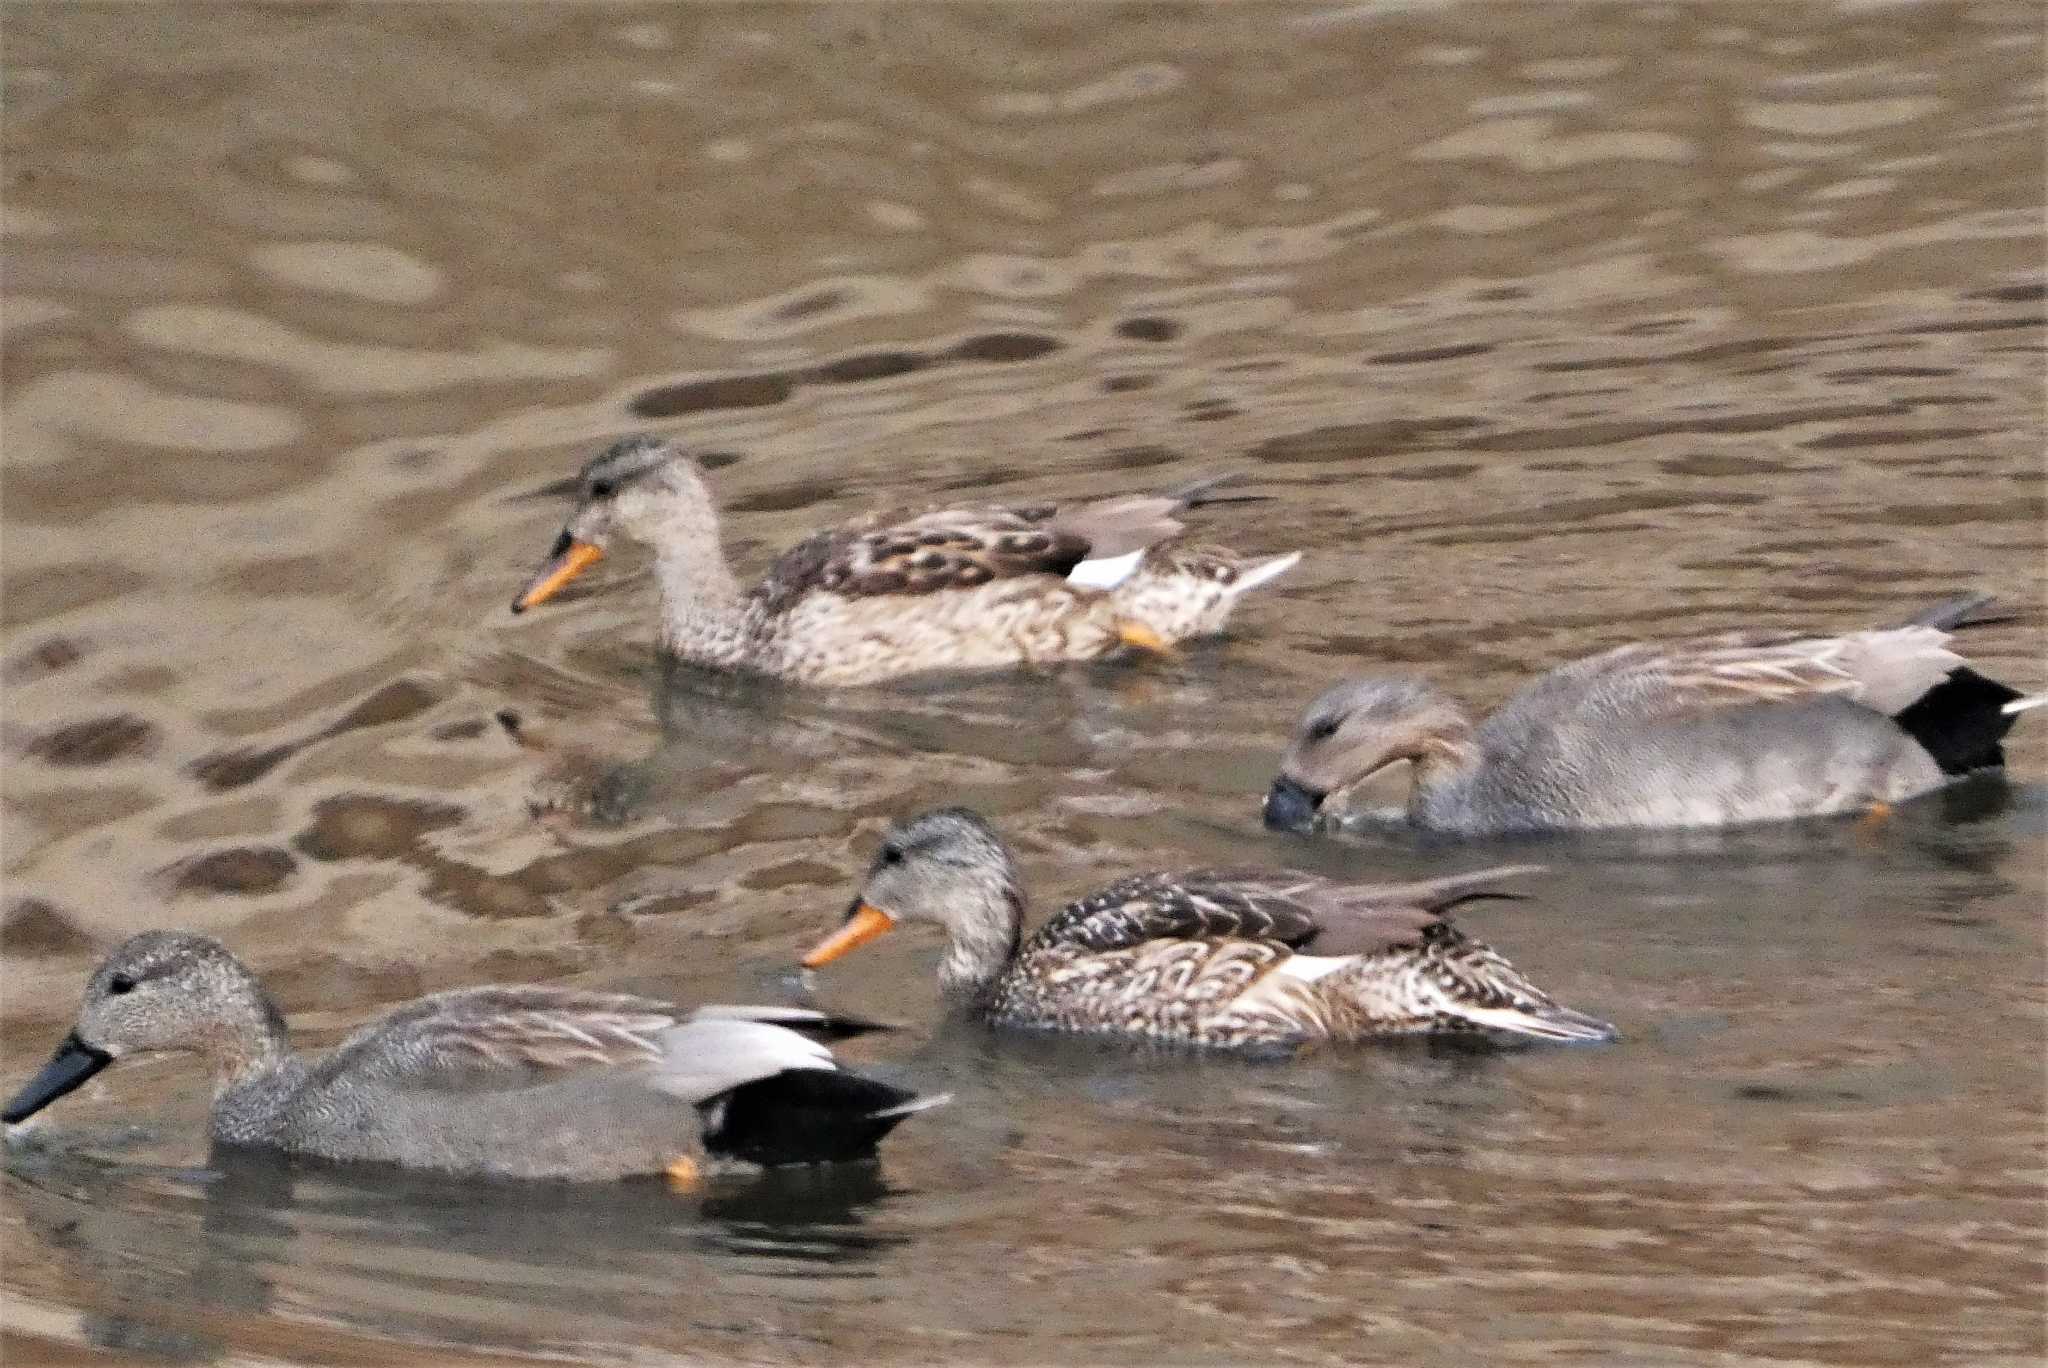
(898, 593)
(1715, 730)
(525, 1082)
(1211, 957)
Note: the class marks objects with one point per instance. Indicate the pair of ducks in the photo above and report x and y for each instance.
(547, 1082)
(550, 1082)
(1741, 727)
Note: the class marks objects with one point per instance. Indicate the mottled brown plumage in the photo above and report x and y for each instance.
(904, 591)
(1226, 958)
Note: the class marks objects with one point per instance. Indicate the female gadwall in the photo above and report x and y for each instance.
(1212, 957)
(896, 593)
(524, 1082)
(1743, 727)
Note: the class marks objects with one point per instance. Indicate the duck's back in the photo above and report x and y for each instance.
(1721, 766)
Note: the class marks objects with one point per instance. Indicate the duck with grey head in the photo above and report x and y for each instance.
(895, 593)
(1711, 731)
(507, 1080)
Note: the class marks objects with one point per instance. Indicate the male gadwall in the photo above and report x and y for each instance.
(896, 593)
(1742, 727)
(523, 1082)
(1211, 957)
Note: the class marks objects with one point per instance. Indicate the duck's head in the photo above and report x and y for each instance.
(1351, 732)
(633, 488)
(161, 990)
(949, 867)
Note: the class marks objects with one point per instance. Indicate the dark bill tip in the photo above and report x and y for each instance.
(74, 1062)
(1290, 806)
(567, 559)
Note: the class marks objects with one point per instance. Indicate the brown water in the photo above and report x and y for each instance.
(1546, 328)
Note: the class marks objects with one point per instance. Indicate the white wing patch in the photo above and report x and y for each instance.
(1309, 968)
(1107, 572)
(701, 1059)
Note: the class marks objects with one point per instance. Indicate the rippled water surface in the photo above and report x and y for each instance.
(1544, 328)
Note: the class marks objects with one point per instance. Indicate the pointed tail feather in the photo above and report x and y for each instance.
(1257, 575)
(912, 1107)
(1964, 610)
(1441, 894)
(2020, 705)
(1545, 1022)
(804, 1020)
(1196, 492)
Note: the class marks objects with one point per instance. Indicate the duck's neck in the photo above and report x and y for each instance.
(248, 1051)
(1443, 767)
(979, 949)
(703, 614)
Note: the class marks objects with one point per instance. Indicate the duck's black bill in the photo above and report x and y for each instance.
(1290, 806)
(74, 1062)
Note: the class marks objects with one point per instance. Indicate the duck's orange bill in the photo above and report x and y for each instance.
(559, 570)
(866, 923)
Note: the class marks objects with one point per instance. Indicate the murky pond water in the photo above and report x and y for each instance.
(1544, 328)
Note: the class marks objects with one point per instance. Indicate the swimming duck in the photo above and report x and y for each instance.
(1210, 957)
(512, 1081)
(896, 593)
(1714, 730)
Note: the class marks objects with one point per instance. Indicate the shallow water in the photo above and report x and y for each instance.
(1544, 330)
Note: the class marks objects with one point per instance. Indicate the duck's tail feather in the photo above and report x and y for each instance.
(1964, 610)
(805, 1020)
(2020, 705)
(1252, 576)
(1201, 490)
(913, 1106)
(1544, 1021)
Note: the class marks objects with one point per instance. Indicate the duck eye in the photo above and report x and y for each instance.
(120, 983)
(601, 489)
(1322, 729)
(891, 854)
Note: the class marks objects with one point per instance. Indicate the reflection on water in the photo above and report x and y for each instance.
(1541, 336)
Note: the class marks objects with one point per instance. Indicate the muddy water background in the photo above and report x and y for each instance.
(1545, 328)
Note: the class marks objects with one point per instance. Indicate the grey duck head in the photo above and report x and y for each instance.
(1351, 732)
(161, 990)
(948, 867)
(630, 489)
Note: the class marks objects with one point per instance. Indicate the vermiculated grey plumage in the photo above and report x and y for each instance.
(1739, 727)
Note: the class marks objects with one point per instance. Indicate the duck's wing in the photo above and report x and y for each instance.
(1301, 911)
(1201, 904)
(1884, 668)
(511, 1036)
(503, 1036)
(936, 549)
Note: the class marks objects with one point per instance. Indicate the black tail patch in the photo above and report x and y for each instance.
(1958, 721)
(802, 1116)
